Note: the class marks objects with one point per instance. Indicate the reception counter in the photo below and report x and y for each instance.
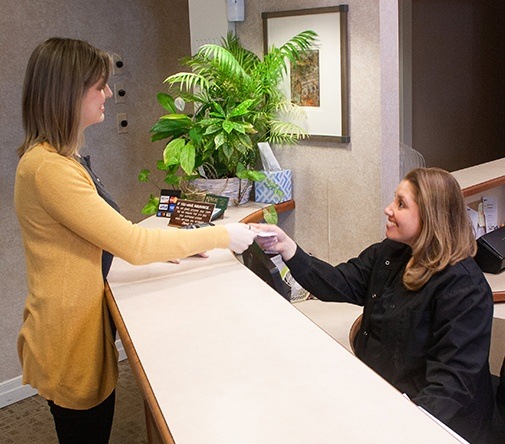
(222, 358)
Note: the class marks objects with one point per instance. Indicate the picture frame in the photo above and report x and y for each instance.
(319, 83)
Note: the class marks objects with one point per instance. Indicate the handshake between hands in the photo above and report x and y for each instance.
(268, 237)
(241, 236)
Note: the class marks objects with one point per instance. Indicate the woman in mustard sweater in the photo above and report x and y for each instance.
(66, 345)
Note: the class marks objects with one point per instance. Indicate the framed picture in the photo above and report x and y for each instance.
(318, 82)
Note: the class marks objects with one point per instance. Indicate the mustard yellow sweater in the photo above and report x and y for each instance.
(65, 344)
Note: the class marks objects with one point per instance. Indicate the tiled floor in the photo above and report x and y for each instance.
(30, 422)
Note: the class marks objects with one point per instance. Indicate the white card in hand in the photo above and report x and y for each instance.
(266, 234)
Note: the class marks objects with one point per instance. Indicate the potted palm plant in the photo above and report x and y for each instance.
(218, 112)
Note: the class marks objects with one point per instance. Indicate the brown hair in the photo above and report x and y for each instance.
(446, 235)
(58, 74)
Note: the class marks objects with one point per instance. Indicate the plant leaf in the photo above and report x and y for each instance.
(270, 215)
(144, 175)
(188, 81)
(211, 129)
(167, 102)
(172, 152)
(160, 136)
(241, 109)
(219, 140)
(187, 158)
(172, 179)
(227, 150)
(228, 126)
(171, 124)
(151, 206)
(252, 175)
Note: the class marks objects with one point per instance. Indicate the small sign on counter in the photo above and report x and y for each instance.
(189, 212)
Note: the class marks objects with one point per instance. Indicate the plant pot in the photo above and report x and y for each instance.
(237, 190)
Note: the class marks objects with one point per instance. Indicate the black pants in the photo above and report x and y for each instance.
(91, 426)
(500, 395)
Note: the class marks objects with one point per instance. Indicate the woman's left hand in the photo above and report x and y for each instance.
(203, 254)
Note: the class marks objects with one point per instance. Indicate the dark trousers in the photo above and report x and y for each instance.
(500, 395)
(92, 426)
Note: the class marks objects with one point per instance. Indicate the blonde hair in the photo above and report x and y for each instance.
(446, 235)
(58, 74)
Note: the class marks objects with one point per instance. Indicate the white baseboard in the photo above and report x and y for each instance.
(120, 349)
(13, 390)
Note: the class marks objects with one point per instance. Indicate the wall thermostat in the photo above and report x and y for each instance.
(235, 10)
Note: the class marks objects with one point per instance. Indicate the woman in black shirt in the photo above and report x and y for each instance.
(427, 307)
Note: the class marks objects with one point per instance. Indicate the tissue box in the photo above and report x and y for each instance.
(265, 192)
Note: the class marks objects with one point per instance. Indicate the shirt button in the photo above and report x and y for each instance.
(392, 305)
(374, 296)
(365, 333)
(387, 262)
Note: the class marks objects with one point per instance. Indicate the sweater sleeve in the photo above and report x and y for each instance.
(70, 198)
(347, 282)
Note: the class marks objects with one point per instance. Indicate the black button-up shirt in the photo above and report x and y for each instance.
(432, 344)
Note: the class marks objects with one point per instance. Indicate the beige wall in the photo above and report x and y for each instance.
(151, 36)
(340, 190)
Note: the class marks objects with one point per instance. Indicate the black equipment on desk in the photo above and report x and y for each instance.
(491, 251)
(258, 262)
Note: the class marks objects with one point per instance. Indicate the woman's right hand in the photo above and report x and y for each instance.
(280, 242)
(241, 236)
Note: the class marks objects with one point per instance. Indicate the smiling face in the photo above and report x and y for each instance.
(93, 104)
(404, 222)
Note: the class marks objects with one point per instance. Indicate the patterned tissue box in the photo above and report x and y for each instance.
(265, 192)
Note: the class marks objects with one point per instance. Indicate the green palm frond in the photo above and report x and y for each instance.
(281, 129)
(247, 59)
(301, 42)
(221, 59)
(188, 80)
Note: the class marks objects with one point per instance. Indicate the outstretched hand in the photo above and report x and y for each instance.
(203, 254)
(241, 236)
(272, 238)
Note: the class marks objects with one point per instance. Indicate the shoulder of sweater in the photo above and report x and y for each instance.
(44, 158)
(47, 153)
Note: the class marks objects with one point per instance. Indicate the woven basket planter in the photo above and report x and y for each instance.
(237, 190)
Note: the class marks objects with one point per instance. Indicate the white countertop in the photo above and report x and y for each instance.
(230, 361)
(477, 174)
